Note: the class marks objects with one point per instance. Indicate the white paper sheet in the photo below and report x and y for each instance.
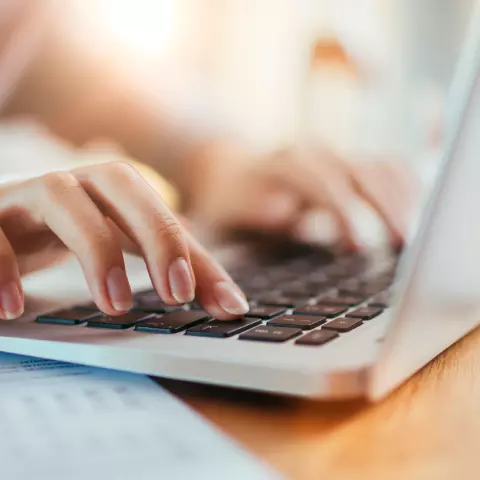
(63, 421)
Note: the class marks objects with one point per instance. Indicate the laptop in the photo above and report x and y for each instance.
(321, 325)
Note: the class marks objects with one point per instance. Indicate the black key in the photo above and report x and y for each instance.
(119, 323)
(343, 324)
(265, 312)
(304, 322)
(173, 322)
(151, 302)
(68, 317)
(366, 313)
(329, 311)
(319, 337)
(223, 329)
(270, 334)
(343, 300)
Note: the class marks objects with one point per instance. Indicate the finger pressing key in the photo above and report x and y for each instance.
(216, 291)
(124, 196)
(90, 212)
(69, 212)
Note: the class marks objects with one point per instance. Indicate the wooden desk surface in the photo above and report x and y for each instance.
(428, 429)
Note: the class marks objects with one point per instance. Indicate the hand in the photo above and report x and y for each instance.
(93, 211)
(309, 194)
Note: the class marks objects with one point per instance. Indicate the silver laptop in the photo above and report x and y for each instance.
(321, 326)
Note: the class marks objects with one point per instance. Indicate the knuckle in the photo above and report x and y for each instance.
(59, 183)
(99, 240)
(100, 246)
(121, 170)
(167, 228)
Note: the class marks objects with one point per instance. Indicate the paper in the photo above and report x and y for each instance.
(63, 421)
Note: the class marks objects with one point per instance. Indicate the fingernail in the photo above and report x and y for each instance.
(12, 301)
(230, 299)
(119, 290)
(181, 282)
(318, 228)
(369, 229)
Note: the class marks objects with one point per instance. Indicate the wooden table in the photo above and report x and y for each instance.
(428, 429)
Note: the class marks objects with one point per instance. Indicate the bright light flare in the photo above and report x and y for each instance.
(147, 27)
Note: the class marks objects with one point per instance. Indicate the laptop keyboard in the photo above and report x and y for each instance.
(296, 300)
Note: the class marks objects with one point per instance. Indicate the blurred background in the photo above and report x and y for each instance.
(270, 72)
(276, 71)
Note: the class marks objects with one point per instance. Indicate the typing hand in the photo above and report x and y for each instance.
(310, 194)
(91, 211)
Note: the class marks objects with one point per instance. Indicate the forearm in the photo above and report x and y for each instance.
(83, 93)
(81, 97)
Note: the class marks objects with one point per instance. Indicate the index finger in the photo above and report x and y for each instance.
(324, 184)
(124, 196)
